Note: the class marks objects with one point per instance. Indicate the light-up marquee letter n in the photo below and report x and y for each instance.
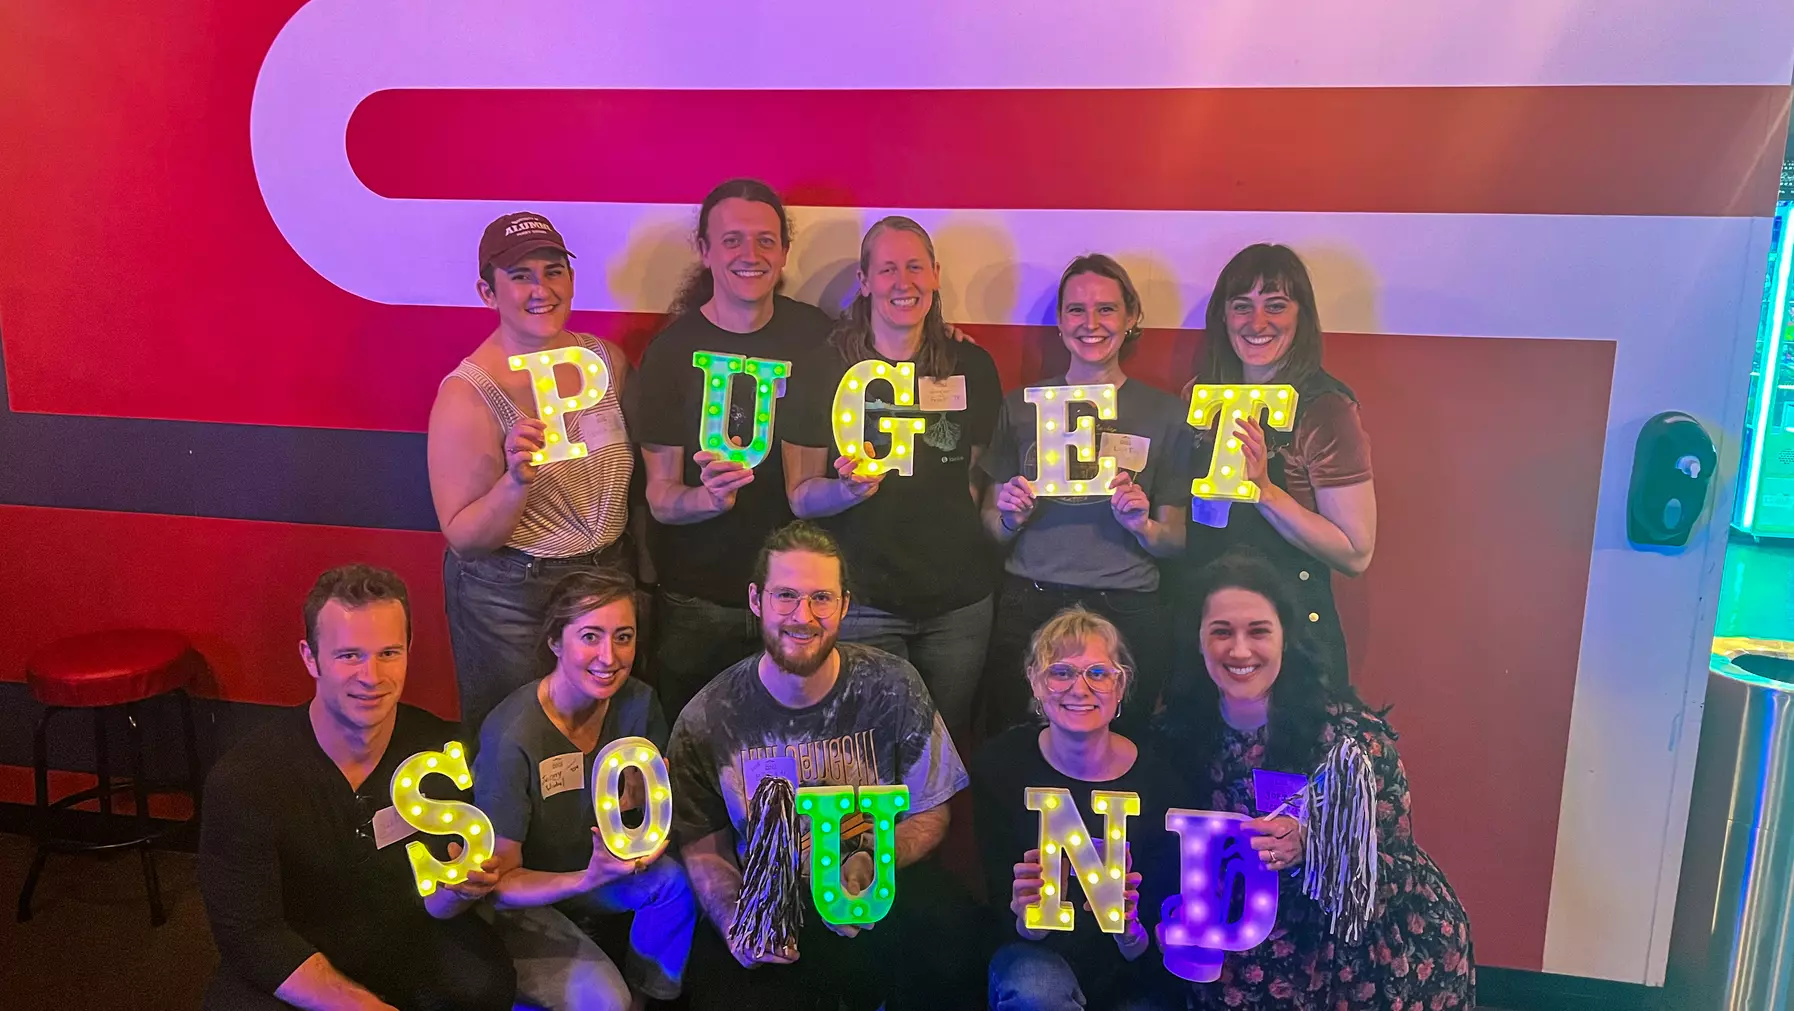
(849, 417)
(1223, 405)
(1063, 836)
(627, 843)
(440, 817)
(827, 807)
(720, 371)
(1054, 438)
(553, 408)
(1227, 897)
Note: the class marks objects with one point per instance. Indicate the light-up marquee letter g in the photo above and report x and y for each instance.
(720, 371)
(1226, 477)
(1063, 836)
(849, 417)
(553, 408)
(440, 817)
(1227, 897)
(1054, 438)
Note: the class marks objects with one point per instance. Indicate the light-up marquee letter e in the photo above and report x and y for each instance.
(1055, 437)
(646, 839)
(441, 817)
(553, 408)
(849, 417)
(720, 371)
(1224, 405)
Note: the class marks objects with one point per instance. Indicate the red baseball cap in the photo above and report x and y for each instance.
(514, 236)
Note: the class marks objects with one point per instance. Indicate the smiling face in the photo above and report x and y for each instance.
(596, 650)
(899, 278)
(1074, 694)
(1093, 318)
(533, 296)
(801, 640)
(744, 249)
(1242, 643)
(1261, 326)
(358, 661)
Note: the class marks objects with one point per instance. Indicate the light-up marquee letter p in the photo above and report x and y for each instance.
(1055, 437)
(441, 817)
(849, 417)
(1063, 836)
(553, 408)
(639, 753)
(827, 807)
(720, 371)
(1227, 897)
(1226, 477)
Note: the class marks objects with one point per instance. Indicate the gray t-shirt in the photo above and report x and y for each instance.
(1076, 541)
(876, 727)
(508, 773)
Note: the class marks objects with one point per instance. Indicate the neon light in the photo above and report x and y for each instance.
(1054, 435)
(827, 807)
(848, 416)
(650, 836)
(553, 408)
(1063, 835)
(1772, 354)
(720, 371)
(440, 817)
(1226, 478)
(1216, 864)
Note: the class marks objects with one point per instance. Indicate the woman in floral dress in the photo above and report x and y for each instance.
(1264, 706)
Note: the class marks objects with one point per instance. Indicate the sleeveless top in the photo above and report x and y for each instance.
(574, 506)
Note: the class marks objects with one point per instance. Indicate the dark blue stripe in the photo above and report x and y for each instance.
(338, 477)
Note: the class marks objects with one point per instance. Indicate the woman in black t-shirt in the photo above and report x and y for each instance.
(924, 567)
(1078, 670)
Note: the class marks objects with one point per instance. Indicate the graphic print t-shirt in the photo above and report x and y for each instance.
(876, 727)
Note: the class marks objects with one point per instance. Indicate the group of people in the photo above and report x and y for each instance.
(810, 619)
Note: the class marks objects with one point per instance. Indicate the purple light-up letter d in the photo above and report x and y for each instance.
(1227, 897)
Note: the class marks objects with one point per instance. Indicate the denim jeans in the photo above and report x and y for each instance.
(694, 641)
(560, 967)
(496, 603)
(1026, 976)
(948, 650)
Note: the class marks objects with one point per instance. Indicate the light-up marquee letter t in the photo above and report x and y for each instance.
(720, 371)
(440, 817)
(1226, 477)
(639, 753)
(1063, 835)
(1227, 897)
(827, 807)
(553, 408)
(1054, 437)
(849, 417)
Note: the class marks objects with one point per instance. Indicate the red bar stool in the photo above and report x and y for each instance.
(99, 672)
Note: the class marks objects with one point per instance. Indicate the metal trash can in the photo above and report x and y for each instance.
(1750, 745)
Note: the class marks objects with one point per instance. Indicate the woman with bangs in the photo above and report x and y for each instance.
(1317, 511)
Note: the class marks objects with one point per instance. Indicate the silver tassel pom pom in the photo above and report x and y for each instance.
(1339, 812)
(770, 911)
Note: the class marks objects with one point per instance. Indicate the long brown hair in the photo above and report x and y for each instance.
(582, 592)
(1277, 269)
(853, 333)
(699, 285)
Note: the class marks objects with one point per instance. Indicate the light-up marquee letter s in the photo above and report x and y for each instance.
(1063, 835)
(1226, 477)
(648, 838)
(553, 408)
(1054, 437)
(849, 416)
(720, 371)
(1227, 897)
(440, 817)
(827, 807)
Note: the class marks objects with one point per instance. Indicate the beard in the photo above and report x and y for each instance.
(800, 659)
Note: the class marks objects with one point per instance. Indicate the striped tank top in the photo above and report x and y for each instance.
(574, 506)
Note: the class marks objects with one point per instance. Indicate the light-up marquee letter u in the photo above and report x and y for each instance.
(1063, 836)
(849, 417)
(440, 817)
(639, 753)
(827, 807)
(1226, 477)
(720, 371)
(1054, 437)
(553, 408)
(1227, 897)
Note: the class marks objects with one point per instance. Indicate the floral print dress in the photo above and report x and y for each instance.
(1416, 954)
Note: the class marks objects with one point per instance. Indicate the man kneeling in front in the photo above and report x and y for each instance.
(301, 854)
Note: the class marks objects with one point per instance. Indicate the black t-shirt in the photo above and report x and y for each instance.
(287, 858)
(714, 559)
(1006, 829)
(916, 548)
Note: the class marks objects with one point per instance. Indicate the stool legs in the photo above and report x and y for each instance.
(102, 761)
(140, 794)
(195, 778)
(40, 820)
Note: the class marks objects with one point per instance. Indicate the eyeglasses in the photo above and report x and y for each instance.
(823, 603)
(1101, 677)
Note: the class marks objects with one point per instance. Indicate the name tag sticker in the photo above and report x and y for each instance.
(1271, 789)
(390, 827)
(1129, 451)
(753, 770)
(600, 427)
(947, 394)
(562, 773)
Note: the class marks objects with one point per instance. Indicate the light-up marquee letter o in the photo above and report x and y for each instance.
(553, 408)
(1227, 897)
(638, 753)
(1054, 438)
(1063, 836)
(849, 417)
(1226, 477)
(720, 371)
(440, 817)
